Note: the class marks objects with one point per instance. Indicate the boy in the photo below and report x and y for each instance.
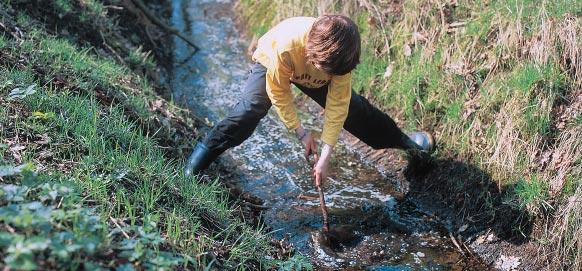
(317, 55)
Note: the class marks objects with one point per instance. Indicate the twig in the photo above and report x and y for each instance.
(443, 20)
(119, 227)
(373, 9)
(60, 203)
(10, 229)
(468, 250)
(119, 58)
(139, 4)
(113, 7)
(456, 243)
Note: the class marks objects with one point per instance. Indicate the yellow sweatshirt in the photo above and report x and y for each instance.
(282, 52)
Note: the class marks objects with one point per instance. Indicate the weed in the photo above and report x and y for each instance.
(531, 192)
(63, 7)
(297, 262)
(139, 59)
(3, 42)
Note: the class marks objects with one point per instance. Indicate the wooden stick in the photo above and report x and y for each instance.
(139, 4)
(323, 209)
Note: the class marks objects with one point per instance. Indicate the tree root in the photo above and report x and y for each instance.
(141, 6)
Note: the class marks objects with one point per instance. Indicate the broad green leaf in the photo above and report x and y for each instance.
(14, 192)
(90, 244)
(6, 239)
(8, 213)
(12, 170)
(128, 244)
(23, 219)
(125, 267)
(37, 243)
(21, 261)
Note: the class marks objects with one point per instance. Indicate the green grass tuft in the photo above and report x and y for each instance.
(532, 192)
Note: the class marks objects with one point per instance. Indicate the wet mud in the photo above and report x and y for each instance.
(389, 231)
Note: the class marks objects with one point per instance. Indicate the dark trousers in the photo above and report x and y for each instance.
(364, 121)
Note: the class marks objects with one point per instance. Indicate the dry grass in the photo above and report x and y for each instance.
(566, 235)
(498, 82)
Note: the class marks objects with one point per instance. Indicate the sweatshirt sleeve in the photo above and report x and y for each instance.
(336, 107)
(279, 89)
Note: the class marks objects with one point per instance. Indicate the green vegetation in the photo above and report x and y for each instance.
(120, 171)
(498, 82)
(88, 173)
(49, 225)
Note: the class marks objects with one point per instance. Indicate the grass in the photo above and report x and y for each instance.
(492, 80)
(126, 177)
(532, 192)
(121, 201)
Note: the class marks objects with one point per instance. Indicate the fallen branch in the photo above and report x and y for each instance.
(139, 4)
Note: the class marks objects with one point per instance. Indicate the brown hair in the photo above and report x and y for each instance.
(333, 44)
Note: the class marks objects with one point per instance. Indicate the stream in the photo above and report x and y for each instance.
(392, 233)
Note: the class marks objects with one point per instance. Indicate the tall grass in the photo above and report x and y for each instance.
(496, 81)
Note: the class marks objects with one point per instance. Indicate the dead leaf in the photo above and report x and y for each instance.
(418, 37)
(407, 50)
(507, 263)
(44, 139)
(480, 239)
(16, 148)
(388, 72)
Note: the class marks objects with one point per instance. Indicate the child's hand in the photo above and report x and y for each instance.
(308, 142)
(321, 167)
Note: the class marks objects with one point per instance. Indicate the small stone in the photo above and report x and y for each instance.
(463, 228)
(420, 254)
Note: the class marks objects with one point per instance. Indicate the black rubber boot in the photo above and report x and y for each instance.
(199, 160)
(422, 141)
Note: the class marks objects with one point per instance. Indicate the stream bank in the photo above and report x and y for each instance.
(393, 232)
(90, 170)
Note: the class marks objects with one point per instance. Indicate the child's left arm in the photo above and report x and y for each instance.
(336, 112)
(336, 107)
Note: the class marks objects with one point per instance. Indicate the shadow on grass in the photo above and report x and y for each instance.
(469, 196)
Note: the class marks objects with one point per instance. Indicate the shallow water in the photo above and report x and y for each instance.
(392, 234)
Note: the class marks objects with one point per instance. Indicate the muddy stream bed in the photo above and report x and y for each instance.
(392, 233)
